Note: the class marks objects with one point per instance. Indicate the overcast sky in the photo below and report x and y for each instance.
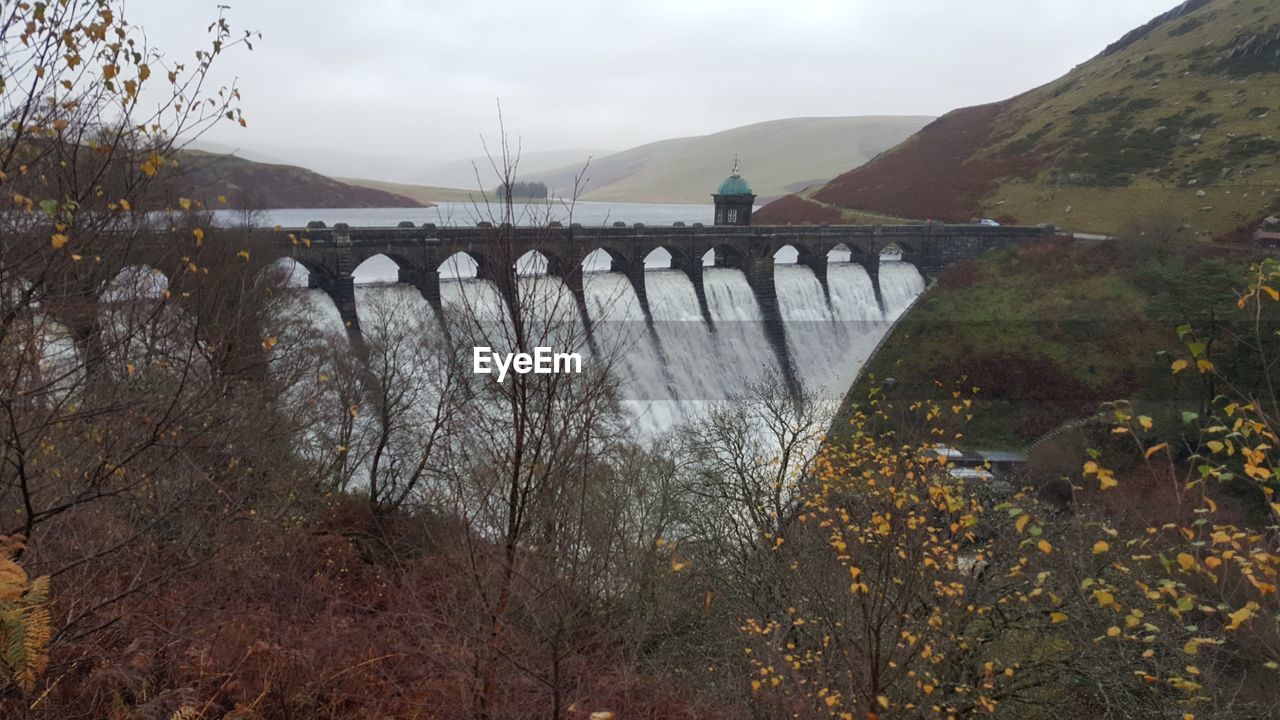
(421, 78)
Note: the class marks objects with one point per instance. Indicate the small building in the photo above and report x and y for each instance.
(971, 473)
(1002, 463)
(979, 464)
(734, 200)
(1267, 239)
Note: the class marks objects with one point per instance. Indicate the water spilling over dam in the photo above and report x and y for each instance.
(674, 364)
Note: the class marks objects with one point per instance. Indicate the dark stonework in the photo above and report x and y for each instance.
(734, 209)
(331, 254)
(734, 200)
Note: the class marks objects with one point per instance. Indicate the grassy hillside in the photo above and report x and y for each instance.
(1050, 331)
(1183, 112)
(425, 194)
(472, 172)
(205, 176)
(777, 158)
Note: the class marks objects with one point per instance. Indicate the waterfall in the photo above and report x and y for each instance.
(687, 343)
(622, 334)
(742, 349)
(671, 370)
(816, 342)
(900, 283)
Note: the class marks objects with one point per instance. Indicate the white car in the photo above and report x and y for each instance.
(988, 222)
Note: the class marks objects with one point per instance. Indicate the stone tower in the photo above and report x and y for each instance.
(734, 200)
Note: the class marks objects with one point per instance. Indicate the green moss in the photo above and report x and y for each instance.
(1050, 331)
(1236, 156)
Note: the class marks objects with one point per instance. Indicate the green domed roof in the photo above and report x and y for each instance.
(734, 184)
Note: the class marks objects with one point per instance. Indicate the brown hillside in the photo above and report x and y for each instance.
(205, 176)
(795, 210)
(935, 174)
(1178, 115)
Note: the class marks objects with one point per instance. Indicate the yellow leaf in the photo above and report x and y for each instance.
(1155, 449)
(270, 342)
(222, 199)
(883, 700)
(1100, 547)
(244, 254)
(1145, 422)
(1179, 366)
(58, 241)
(1204, 365)
(755, 685)
(1113, 631)
(184, 203)
(1104, 597)
(199, 236)
(1106, 480)
(1045, 547)
(1187, 561)
(1058, 617)
(1022, 522)
(1241, 616)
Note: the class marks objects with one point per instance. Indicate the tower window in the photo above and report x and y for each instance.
(733, 216)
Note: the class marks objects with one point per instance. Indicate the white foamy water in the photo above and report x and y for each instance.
(672, 369)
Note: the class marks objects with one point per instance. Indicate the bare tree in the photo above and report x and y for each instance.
(124, 397)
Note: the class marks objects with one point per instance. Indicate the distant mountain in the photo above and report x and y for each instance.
(776, 157)
(422, 193)
(204, 176)
(330, 161)
(463, 173)
(1180, 115)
